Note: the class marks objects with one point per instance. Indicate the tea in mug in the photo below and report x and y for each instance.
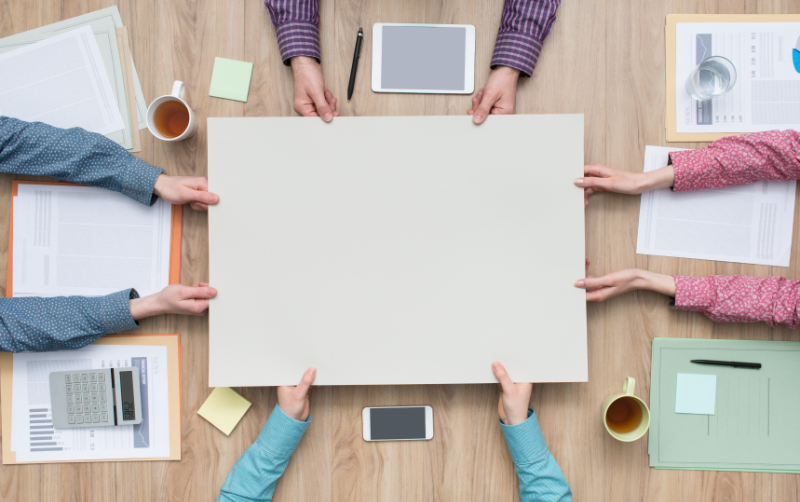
(171, 119)
(624, 415)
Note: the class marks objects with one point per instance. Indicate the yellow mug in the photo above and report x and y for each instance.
(625, 416)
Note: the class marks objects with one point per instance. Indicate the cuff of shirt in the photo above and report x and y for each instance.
(525, 440)
(298, 39)
(114, 311)
(689, 167)
(692, 293)
(282, 433)
(516, 50)
(139, 181)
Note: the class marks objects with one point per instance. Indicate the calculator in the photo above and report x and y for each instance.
(96, 398)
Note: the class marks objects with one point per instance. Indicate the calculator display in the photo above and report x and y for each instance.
(126, 393)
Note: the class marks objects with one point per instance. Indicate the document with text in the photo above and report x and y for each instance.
(61, 81)
(87, 241)
(767, 91)
(743, 224)
(33, 437)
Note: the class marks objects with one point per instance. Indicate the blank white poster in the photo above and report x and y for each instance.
(743, 224)
(396, 250)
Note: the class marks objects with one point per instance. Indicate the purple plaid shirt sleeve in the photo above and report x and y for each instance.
(525, 25)
(297, 25)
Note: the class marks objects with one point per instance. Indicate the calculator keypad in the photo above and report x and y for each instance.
(86, 398)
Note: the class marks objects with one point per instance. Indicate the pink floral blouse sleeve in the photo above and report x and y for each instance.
(740, 298)
(737, 160)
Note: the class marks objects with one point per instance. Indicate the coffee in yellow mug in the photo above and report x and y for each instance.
(625, 416)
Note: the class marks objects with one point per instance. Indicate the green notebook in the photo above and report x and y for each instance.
(756, 412)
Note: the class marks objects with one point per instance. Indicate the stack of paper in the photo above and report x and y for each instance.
(105, 51)
(743, 224)
(88, 241)
(28, 433)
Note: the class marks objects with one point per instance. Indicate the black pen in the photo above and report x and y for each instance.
(752, 366)
(356, 55)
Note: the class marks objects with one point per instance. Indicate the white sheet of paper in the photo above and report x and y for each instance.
(743, 224)
(767, 91)
(33, 438)
(61, 81)
(88, 241)
(396, 250)
(696, 394)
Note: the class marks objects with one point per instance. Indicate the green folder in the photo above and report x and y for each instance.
(755, 424)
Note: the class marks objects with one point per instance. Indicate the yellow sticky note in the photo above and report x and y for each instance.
(224, 408)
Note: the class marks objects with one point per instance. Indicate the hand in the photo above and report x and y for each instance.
(498, 96)
(600, 178)
(174, 299)
(514, 401)
(294, 400)
(311, 98)
(182, 189)
(632, 279)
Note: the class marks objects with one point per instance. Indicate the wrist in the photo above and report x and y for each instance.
(660, 178)
(147, 306)
(298, 62)
(158, 188)
(660, 283)
(507, 71)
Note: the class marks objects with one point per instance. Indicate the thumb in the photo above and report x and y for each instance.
(502, 376)
(199, 292)
(305, 383)
(596, 183)
(489, 99)
(200, 195)
(322, 106)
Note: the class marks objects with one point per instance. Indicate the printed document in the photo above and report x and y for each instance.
(33, 437)
(767, 91)
(61, 81)
(743, 224)
(87, 241)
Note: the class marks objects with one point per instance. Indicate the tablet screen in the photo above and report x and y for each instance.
(423, 58)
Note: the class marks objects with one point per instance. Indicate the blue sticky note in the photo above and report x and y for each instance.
(696, 394)
(796, 58)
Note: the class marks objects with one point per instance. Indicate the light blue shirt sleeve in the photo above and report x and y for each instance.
(255, 474)
(74, 155)
(540, 478)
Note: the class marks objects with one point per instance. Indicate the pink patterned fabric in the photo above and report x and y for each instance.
(737, 160)
(740, 298)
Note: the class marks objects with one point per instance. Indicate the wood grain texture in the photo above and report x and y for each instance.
(605, 59)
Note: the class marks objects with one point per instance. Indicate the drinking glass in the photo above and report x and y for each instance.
(713, 77)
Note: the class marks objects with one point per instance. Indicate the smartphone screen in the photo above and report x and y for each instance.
(397, 423)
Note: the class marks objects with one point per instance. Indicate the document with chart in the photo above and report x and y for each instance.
(33, 437)
(742, 224)
(767, 91)
(88, 241)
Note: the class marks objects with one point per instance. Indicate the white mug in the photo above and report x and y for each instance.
(178, 90)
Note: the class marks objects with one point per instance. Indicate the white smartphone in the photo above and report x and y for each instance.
(423, 58)
(397, 423)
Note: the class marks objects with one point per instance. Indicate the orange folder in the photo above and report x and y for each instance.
(175, 236)
(174, 370)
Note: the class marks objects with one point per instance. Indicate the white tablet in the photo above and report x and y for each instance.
(423, 58)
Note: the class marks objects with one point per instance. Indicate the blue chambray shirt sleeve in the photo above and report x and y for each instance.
(540, 478)
(67, 322)
(74, 155)
(255, 474)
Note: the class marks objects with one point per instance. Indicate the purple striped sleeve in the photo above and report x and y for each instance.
(525, 25)
(297, 26)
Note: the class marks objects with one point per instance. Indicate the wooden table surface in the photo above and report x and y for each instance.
(605, 59)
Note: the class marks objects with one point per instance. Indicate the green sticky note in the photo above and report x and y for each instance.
(231, 79)
(224, 408)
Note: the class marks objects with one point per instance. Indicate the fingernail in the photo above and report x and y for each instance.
(327, 117)
(579, 182)
(495, 366)
(311, 371)
(477, 118)
(579, 283)
(212, 198)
